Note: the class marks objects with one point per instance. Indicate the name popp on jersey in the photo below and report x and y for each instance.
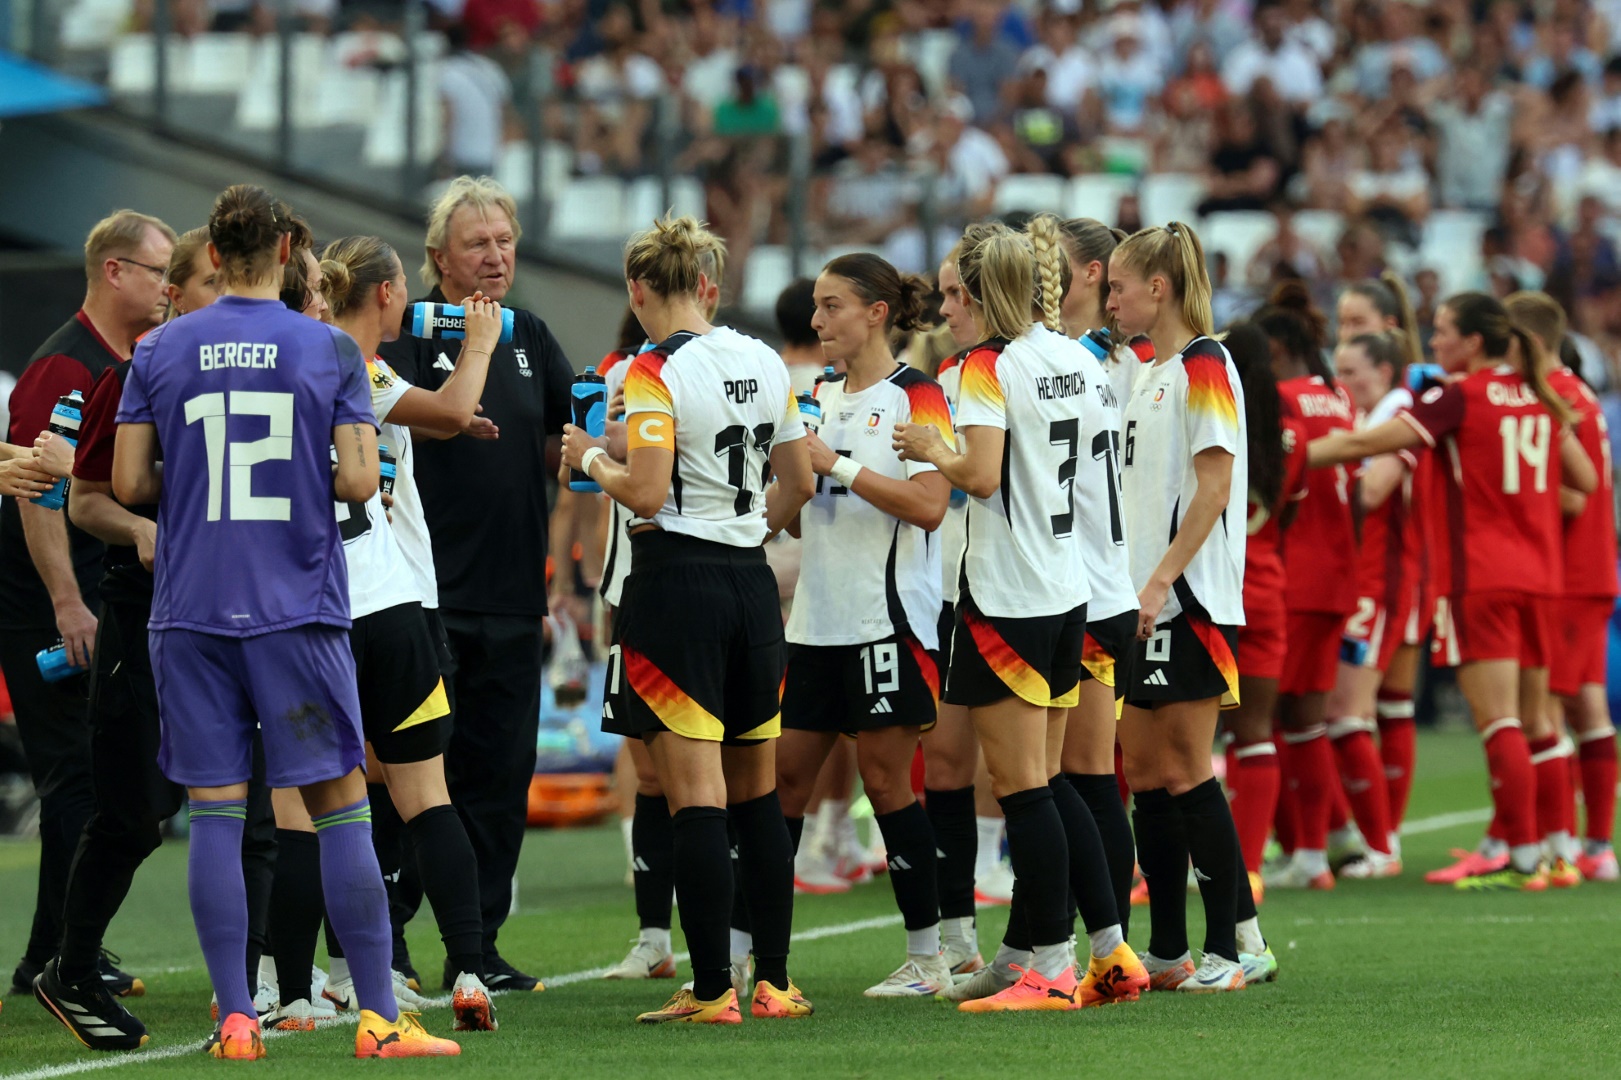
(1055, 387)
(741, 391)
(236, 354)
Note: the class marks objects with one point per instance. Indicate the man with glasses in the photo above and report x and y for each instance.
(49, 569)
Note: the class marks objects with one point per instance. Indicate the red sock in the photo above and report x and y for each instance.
(1514, 783)
(1596, 757)
(1120, 775)
(1553, 785)
(1362, 778)
(1253, 777)
(1398, 748)
(1308, 767)
(1339, 807)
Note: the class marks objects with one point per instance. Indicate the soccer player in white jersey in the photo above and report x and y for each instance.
(698, 667)
(1186, 480)
(1021, 608)
(863, 633)
(1089, 737)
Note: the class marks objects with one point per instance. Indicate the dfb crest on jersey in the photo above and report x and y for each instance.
(523, 363)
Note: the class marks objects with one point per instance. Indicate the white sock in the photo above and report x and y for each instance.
(1493, 848)
(1249, 937)
(1104, 942)
(1559, 845)
(1051, 960)
(1525, 857)
(990, 845)
(657, 936)
(340, 969)
(924, 942)
(742, 943)
(625, 827)
(1006, 958)
(960, 932)
(1311, 862)
(267, 972)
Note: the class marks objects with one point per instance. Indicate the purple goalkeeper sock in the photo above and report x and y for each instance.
(219, 899)
(357, 904)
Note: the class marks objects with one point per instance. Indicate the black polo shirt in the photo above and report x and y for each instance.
(71, 359)
(485, 500)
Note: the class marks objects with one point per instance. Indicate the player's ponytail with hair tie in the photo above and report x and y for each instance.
(1192, 279)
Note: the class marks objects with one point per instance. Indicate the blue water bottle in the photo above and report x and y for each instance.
(54, 665)
(65, 420)
(449, 321)
(1098, 343)
(1421, 377)
(810, 411)
(590, 401)
(385, 468)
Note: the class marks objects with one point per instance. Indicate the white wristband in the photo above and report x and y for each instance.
(588, 458)
(845, 470)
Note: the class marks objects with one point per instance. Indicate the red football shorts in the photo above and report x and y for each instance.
(1311, 664)
(1581, 640)
(1262, 640)
(1503, 626)
(1378, 631)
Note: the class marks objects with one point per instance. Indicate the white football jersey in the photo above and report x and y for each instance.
(1102, 526)
(1186, 404)
(616, 555)
(1124, 367)
(953, 531)
(867, 575)
(1024, 557)
(410, 521)
(729, 398)
(379, 577)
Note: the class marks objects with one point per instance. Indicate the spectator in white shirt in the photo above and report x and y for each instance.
(1291, 67)
(1071, 68)
(1129, 79)
(1392, 192)
(1473, 128)
(475, 92)
(617, 88)
(970, 160)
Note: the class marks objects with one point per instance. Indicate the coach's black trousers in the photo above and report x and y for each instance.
(494, 691)
(53, 723)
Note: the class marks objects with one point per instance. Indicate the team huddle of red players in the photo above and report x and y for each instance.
(1465, 504)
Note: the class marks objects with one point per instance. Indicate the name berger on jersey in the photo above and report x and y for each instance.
(237, 354)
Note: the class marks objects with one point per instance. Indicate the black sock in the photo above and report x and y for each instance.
(951, 814)
(1213, 845)
(110, 851)
(449, 873)
(1162, 852)
(1102, 796)
(258, 863)
(1040, 856)
(1017, 934)
(653, 847)
(1089, 880)
(796, 830)
(740, 903)
(703, 887)
(909, 844)
(295, 911)
(766, 857)
(334, 947)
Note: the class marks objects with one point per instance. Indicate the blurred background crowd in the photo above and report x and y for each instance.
(1463, 142)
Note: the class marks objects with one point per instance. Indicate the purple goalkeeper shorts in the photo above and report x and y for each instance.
(297, 685)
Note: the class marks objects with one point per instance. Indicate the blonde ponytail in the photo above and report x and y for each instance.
(1173, 251)
(1052, 268)
(998, 271)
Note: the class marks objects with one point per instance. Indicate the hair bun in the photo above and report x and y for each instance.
(1291, 293)
(336, 282)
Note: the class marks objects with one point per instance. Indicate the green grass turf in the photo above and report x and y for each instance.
(1378, 978)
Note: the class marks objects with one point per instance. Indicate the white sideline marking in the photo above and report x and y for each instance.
(74, 1068)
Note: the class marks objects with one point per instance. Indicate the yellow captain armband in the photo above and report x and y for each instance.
(651, 429)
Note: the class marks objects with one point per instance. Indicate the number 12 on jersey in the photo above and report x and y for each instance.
(212, 410)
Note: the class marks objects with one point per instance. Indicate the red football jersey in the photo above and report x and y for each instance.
(1320, 552)
(1263, 551)
(1392, 544)
(1501, 483)
(1589, 546)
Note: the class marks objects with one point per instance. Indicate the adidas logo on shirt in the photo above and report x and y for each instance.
(883, 706)
(443, 363)
(1157, 678)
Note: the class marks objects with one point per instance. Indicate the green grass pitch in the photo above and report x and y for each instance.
(1389, 978)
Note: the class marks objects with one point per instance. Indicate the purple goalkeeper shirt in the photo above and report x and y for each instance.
(245, 394)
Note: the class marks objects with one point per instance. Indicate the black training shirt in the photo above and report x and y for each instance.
(485, 501)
